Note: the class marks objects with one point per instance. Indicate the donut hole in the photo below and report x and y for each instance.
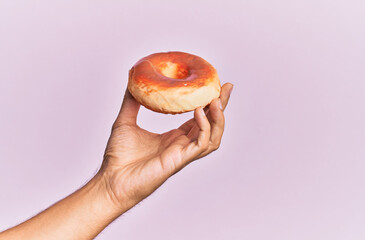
(174, 70)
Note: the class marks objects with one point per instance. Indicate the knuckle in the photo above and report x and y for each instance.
(115, 125)
(204, 146)
(207, 129)
(216, 146)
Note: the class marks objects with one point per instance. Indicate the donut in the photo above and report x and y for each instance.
(173, 82)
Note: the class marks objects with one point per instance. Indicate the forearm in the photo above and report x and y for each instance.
(82, 215)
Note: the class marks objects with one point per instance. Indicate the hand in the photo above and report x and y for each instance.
(136, 162)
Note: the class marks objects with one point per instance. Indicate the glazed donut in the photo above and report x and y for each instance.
(173, 82)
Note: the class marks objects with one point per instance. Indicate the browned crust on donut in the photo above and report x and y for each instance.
(145, 72)
(147, 76)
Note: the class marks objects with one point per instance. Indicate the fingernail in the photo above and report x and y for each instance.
(220, 104)
(231, 90)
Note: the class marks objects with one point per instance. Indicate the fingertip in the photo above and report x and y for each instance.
(214, 106)
(201, 118)
(216, 112)
(200, 142)
(127, 93)
(230, 88)
(129, 109)
(227, 87)
(228, 84)
(199, 112)
(226, 93)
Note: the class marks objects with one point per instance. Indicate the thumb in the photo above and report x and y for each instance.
(129, 110)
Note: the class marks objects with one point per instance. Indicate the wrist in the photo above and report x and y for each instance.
(99, 187)
(104, 182)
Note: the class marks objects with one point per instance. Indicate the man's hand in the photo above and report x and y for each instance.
(137, 162)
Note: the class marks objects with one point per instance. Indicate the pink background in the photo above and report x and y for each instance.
(291, 164)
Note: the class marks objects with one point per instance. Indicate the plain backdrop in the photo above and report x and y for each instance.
(292, 160)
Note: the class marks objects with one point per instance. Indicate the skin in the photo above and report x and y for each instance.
(136, 162)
